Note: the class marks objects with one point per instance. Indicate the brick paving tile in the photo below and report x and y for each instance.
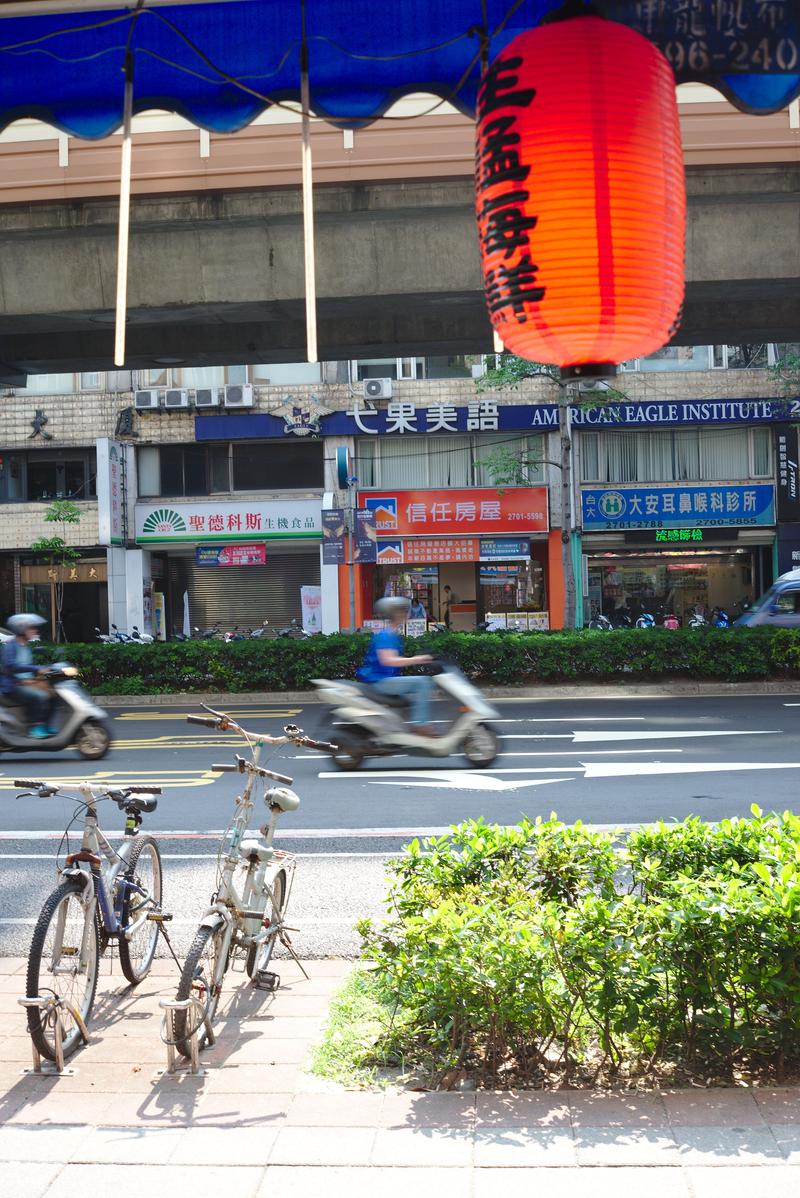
(625, 1146)
(308, 1029)
(224, 1146)
(299, 1006)
(781, 1105)
(322, 1146)
(253, 1079)
(437, 1147)
(581, 1183)
(27, 1180)
(57, 1107)
(735, 1182)
(354, 1109)
(712, 1108)
(126, 1146)
(11, 965)
(374, 1182)
(413, 1109)
(519, 1147)
(156, 1181)
(18, 1143)
(246, 1110)
(527, 1109)
(255, 1049)
(726, 1145)
(787, 1137)
(617, 1110)
(168, 1107)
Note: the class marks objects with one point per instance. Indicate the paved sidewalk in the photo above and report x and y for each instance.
(260, 1125)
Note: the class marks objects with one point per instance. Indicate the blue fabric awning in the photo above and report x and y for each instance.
(220, 64)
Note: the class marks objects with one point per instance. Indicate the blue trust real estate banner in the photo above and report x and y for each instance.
(720, 506)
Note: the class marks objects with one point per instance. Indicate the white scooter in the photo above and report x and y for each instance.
(369, 724)
(79, 722)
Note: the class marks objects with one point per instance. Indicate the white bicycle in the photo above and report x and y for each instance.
(246, 916)
(104, 894)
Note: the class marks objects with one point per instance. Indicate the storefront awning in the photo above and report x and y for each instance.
(221, 63)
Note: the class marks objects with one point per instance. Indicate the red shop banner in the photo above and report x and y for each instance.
(457, 513)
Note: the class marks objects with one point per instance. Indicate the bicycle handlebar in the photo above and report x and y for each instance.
(208, 720)
(115, 792)
(291, 733)
(246, 767)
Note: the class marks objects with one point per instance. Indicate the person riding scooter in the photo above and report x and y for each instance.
(384, 660)
(19, 674)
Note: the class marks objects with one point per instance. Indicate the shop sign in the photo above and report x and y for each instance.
(366, 538)
(530, 621)
(457, 513)
(79, 572)
(787, 453)
(271, 519)
(402, 418)
(788, 548)
(678, 534)
(503, 549)
(110, 477)
(719, 506)
(333, 529)
(428, 550)
(231, 555)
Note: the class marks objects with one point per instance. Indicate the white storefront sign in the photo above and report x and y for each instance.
(111, 491)
(169, 521)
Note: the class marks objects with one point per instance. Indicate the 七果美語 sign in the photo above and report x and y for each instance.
(720, 506)
(402, 418)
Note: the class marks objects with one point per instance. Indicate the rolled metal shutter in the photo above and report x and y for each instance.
(243, 595)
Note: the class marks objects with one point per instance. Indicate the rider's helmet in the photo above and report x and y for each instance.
(24, 622)
(393, 606)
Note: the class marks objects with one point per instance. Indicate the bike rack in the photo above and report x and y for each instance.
(170, 1006)
(51, 1006)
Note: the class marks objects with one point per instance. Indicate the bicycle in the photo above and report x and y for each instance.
(104, 894)
(247, 913)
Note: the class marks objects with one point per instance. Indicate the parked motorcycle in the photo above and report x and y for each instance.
(720, 618)
(79, 722)
(645, 619)
(696, 618)
(294, 630)
(208, 634)
(671, 621)
(369, 724)
(601, 623)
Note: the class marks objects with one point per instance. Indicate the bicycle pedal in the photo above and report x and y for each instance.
(158, 917)
(266, 980)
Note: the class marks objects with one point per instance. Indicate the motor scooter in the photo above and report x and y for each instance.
(79, 722)
(369, 724)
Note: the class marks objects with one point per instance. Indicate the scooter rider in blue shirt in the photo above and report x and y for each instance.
(19, 673)
(384, 660)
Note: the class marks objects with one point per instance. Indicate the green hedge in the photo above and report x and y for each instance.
(544, 952)
(284, 664)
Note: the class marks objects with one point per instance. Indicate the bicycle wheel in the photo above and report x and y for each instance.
(144, 870)
(259, 955)
(62, 972)
(197, 981)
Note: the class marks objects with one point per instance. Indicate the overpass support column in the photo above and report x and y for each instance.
(129, 589)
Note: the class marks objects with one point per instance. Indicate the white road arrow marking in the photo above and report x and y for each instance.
(465, 781)
(588, 737)
(628, 769)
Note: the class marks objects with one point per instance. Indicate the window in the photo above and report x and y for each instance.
(285, 374)
(43, 477)
(740, 357)
(455, 367)
(438, 462)
(676, 455)
(387, 368)
(183, 470)
(277, 466)
(49, 384)
(149, 477)
(788, 603)
(91, 380)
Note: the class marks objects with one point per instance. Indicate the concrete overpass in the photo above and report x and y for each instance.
(216, 278)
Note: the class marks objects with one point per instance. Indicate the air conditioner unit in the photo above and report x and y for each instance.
(146, 400)
(239, 395)
(377, 388)
(207, 397)
(176, 397)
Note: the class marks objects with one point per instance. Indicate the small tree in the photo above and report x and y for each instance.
(58, 555)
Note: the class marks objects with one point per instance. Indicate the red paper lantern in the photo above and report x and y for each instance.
(580, 194)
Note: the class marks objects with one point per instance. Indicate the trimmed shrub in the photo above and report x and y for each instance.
(504, 660)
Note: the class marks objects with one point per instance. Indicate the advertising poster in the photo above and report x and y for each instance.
(333, 527)
(366, 537)
(311, 604)
(787, 454)
(231, 555)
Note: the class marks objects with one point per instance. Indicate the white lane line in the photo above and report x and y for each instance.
(627, 769)
(445, 775)
(587, 737)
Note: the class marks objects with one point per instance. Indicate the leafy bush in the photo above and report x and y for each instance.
(505, 660)
(552, 952)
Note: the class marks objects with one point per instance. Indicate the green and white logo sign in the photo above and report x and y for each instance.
(165, 522)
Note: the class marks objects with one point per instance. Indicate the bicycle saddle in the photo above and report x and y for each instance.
(281, 796)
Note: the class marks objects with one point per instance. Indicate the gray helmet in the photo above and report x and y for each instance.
(25, 621)
(392, 606)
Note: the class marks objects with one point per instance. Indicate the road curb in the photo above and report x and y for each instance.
(622, 690)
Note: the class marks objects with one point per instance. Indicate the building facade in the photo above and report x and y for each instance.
(213, 508)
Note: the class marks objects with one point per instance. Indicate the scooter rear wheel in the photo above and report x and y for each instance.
(93, 740)
(480, 747)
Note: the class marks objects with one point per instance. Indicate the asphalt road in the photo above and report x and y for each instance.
(614, 761)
